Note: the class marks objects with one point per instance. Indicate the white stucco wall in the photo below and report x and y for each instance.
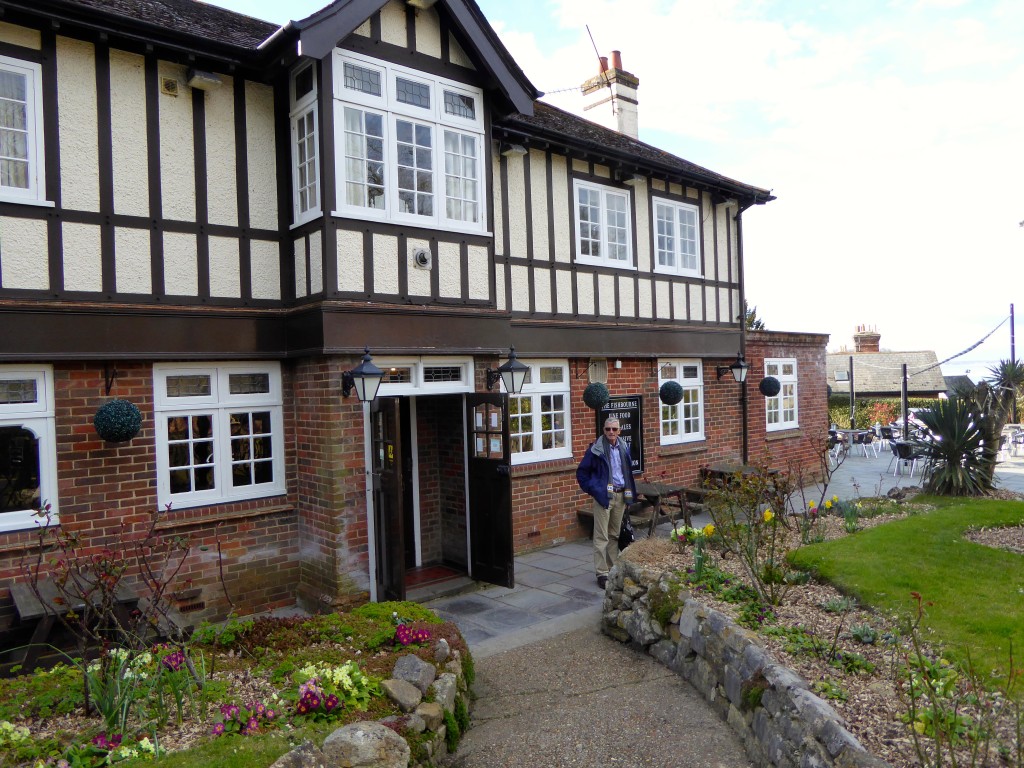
(23, 36)
(76, 103)
(696, 302)
(499, 282)
(479, 273)
(645, 292)
(385, 264)
(516, 208)
(177, 153)
(265, 269)
(457, 55)
(585, 294)
(299, 257)
(449, 266)
(129, 138)
(539, 204)
(350, 261)
(496, 205)
(564, 226)
(606, 294)
(627, 298)
(316, 262)
(225, 272)
(679, 300)
(563, 287)
(181, 268)
(260, 155)
(542, 290)
(23, 259)
(520, 289)
(418, 278)
(132, 260)
(663, 297)
(221, 161)
(392, 23)
(83, 263)
(644, 257)
(428, 33)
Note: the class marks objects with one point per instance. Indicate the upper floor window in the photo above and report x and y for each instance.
(684, 421)
(28, 446)
(305, 145)
(676, 238)
(782, 411)
(409, 145)
(603, 225)
(21, 131)
(219, 432)
(539, 417)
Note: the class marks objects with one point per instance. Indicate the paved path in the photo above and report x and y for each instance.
(581, 700)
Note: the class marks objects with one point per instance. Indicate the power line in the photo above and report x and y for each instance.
(975, 345)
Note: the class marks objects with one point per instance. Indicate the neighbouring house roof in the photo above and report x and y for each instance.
(957, 382)
(880, 373)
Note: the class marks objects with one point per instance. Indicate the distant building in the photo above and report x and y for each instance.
(880, 374)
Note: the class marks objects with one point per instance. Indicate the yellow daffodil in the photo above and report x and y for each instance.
(811, 504)
(835, 499)
(709, 529)
(828, 505)
(768, 515)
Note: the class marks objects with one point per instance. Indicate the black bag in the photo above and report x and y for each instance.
(626, 534)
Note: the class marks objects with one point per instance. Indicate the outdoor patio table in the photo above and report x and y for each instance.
(655, 494)
(846, 437)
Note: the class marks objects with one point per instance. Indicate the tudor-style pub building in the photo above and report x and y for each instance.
(211, 217)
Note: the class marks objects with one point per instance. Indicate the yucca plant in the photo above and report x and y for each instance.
(956, 465)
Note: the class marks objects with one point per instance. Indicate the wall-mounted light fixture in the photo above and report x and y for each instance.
(512, 374)
(738, 369)
(513, 150)
(365, 379)
(203, 81)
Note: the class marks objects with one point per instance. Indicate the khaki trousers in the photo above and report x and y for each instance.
(607, 524)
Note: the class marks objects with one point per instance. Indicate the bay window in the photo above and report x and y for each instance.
(410, 146)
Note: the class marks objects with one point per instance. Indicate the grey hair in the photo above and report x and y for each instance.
(611, 420)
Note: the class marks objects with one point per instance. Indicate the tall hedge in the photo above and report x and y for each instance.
(870, 409)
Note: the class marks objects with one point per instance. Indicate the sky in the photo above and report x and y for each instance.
(890, 131)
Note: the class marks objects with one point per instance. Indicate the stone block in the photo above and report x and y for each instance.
(664, 651)
(405, 695)
(366, 745)
(446, 688)
(306, 755)
(414, 670)
(432, 714)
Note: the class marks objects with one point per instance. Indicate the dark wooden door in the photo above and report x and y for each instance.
(388, 498)
(490, 489)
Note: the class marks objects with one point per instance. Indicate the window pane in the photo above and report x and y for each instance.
(18, 391)
(303, 82)
(19, 470)
(552, 374)
(13, 86)
(416, 94)
(249, 383)
(460, 105)
(362, 79)
(197, 385)
(397, 375)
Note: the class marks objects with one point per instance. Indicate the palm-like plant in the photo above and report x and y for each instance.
(955, 457)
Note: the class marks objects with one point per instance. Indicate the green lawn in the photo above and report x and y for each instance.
(975, 594)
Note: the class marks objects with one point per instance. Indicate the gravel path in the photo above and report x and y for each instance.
(580, 700)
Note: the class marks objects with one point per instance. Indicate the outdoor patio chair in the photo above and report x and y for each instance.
(886, 436)
(867, 443)
(903, 454)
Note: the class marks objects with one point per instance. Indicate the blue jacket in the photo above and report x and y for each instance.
(595, 470)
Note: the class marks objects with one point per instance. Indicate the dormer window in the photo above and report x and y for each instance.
(410, 146)
(305, 145)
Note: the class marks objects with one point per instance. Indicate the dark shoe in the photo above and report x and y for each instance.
(601, 581)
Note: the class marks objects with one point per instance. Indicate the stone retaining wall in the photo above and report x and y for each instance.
(779, 720)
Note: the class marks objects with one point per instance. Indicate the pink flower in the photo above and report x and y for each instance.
(218, 729)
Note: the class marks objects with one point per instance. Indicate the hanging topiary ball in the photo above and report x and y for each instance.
(117, 421)
(769, 386)
(596, 395)
(671, 393)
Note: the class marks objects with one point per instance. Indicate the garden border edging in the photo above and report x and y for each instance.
(779, 720)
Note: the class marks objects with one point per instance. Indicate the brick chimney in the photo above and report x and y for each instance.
(866, 339)
(610, 98)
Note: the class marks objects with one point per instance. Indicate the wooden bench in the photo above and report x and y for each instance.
(44, 609)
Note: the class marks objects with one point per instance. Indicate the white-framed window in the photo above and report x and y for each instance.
(539, 427)
(424, 375)
(410, 145)
(21, 131)
(604, 235)
(782, 412)
(219, 432)
(676, 237)
(28, 446)
(305, 138)
(684, 421)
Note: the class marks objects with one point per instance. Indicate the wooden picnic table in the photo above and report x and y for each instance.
(50, 603)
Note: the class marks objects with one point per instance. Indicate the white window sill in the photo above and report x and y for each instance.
(678, 272)
(535, 458)
(8, 198)
(608, 263)
(371, 214)
(187, 501)
(688, 440)
(306, 218)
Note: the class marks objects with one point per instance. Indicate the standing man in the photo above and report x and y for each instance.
(606, 473)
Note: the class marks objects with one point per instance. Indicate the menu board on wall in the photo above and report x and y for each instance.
(628, 410)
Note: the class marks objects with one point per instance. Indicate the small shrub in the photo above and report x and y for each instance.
(461, 714)
(864, 633)
(839, 605)
(852, 663)
(830, 689)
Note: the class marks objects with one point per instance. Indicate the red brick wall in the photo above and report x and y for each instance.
(545, 496)
(105, 489)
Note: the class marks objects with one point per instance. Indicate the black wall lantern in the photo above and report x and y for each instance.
(512, 374)
(365, 378)
(738, 369)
